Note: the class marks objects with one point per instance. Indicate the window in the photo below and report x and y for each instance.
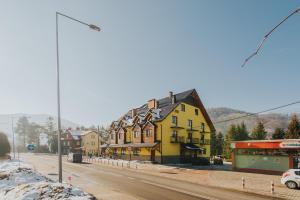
(116, 151)
(297, 173)
(136, 134)
(174, 134)
(190, 123)
(196, 111)
(123, 151)
(148, 132)
(182, 107)
(174, 120)
(202, 126)
(136, 151)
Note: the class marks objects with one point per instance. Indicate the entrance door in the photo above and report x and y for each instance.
(153, 155)
(296, 162)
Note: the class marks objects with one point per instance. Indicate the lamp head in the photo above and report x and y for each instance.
(94, 27)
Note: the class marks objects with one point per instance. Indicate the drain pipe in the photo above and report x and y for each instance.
(161, 146)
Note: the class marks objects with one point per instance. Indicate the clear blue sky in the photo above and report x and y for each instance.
(145, 49)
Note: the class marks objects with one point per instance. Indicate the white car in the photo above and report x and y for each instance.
(291, 178)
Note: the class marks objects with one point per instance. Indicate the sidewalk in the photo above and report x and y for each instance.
(216, 176)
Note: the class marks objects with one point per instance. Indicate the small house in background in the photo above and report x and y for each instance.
(266, 156)
(71, 141)
(90, 143)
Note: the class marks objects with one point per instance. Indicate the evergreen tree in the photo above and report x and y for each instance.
(242, 132)
(219, 144)
(52, 135)
(232, 136)
(226, 146)
(293, 131)
(259, 133)
(22, 130)
(4, 145)
(213, 143)
(278, 133)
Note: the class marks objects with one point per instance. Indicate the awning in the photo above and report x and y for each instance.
(148, 145)
(192, 147)
(136, 145)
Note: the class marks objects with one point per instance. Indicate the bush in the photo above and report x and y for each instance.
(218, 161)
(200, 161)
(4, 145)
(42, 149)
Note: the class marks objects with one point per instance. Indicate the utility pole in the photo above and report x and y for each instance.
(13, 132)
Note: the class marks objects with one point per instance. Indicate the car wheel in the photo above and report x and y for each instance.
(291, 184)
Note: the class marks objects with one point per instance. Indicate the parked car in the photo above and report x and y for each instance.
(291, 178)
(218, 161)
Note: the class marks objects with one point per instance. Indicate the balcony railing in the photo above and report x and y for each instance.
(193, 140)
(205, 142)
(177, 139)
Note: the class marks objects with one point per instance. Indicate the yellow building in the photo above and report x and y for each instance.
(174, 129)
(90, 143)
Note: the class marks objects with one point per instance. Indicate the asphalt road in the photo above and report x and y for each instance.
(106, 182)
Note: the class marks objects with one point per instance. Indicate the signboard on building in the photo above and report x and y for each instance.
(290, 144)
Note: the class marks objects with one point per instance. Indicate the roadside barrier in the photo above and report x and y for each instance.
(272, 187)
(70, 180)
(243, 182)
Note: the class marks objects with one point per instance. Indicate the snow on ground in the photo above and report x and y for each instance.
(18, 181)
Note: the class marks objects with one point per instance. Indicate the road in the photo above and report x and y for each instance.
(106, 182)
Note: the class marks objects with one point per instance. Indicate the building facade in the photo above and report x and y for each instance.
(266, 156)
(174, 129)
(71, 141)
(90, 143)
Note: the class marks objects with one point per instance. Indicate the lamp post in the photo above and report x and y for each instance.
(93, 27)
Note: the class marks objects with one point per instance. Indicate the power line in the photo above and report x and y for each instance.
(268, 34)
(263, 111)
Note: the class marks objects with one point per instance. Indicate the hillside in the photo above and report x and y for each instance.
(270, 120)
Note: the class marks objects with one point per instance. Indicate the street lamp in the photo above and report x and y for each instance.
(93, 27)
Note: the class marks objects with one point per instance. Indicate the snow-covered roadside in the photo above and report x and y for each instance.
(18, 181)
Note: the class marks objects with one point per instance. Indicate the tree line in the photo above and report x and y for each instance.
(220, 145)
(29, 133)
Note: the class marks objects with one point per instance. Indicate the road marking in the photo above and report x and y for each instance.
(179, 190)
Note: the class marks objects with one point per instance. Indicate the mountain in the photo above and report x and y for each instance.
(270, 120)
(6, 121)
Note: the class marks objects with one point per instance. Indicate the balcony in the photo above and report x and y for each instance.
(205, 142)
(193, 140)
(177, 139)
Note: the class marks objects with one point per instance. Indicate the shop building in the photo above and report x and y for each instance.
(266, 156)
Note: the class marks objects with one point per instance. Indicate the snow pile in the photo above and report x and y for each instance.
(18, 181)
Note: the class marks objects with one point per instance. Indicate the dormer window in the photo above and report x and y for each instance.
(148, 133)
(135, 134)
(196, 111)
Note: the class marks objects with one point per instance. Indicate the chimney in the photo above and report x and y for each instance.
(170, 94)
(133, 112)
(152, 103)
(172, 97)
